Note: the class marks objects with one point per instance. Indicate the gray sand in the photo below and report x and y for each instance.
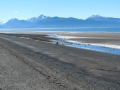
(34, 65)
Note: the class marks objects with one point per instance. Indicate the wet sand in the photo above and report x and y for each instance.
(96, 38)
(27, 64)
(87, 37)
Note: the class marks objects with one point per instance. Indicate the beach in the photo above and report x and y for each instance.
(30, 64)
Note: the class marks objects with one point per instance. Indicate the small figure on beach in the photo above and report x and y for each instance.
(57, 43)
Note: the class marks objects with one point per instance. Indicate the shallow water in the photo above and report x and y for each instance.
(62, 41)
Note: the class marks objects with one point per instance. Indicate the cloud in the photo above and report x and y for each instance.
(16, 12)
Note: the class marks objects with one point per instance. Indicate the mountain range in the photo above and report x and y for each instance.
(43, 21)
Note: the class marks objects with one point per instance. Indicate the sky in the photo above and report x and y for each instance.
(82, 9)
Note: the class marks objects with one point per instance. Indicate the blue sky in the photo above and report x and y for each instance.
(24, 9)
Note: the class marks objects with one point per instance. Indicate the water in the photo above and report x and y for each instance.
(77, 29)
(95, 48)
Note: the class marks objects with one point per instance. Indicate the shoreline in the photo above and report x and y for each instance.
(98, 44)
(74, 40)
(69, 38)
(76, 43)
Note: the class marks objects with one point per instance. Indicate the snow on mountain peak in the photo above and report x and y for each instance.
(2, 22)
(95, 16)
(41, 17)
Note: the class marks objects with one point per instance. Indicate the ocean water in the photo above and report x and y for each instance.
(77, 29)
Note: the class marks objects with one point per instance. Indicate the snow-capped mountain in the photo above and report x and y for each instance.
(14, 22)
(101, 18)
(37, 19)
(43, 21)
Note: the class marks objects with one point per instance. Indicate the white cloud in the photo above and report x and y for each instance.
(16, 12)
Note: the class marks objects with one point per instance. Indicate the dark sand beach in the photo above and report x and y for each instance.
(29, 64)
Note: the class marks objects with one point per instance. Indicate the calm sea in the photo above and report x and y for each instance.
(81, 29)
